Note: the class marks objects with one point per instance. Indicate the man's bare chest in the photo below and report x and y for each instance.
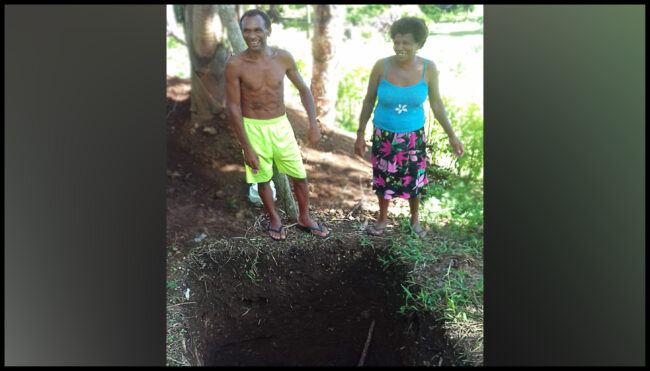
(262, 77)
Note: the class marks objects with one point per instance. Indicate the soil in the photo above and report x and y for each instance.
(235, 297)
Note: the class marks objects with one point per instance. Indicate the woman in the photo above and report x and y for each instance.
(401, 84)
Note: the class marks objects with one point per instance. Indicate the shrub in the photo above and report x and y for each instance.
(446, 13)
(467, 123)
(358, 15)
(351, 92)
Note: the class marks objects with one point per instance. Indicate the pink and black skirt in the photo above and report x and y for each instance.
(399, 164)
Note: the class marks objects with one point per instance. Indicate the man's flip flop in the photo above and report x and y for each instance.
(375, 231)
(276, 231)
(311, 229)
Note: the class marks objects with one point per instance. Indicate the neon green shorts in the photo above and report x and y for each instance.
(273, 140)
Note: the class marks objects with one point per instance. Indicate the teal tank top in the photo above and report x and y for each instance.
(400, 109)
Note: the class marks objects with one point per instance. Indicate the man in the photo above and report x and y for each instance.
(255, 100)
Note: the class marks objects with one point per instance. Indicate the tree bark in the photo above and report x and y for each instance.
(328, 33)
(229, 18)
(285, 196)
(208, 51)
(273, 13)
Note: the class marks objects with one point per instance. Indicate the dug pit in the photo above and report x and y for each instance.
(323, 303)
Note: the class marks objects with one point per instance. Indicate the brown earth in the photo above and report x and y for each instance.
(235, 297)
(206, 191)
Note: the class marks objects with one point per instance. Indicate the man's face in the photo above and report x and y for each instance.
(255, 32)
(404, 46)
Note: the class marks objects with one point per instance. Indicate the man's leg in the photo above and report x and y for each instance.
(266, 194)
(301, 190)
(414, 203)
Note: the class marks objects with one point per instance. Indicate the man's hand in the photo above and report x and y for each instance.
(313, 137)
(360, 145)
(251, 159)
(457, 146)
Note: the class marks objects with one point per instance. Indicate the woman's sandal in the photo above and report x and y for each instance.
(374, 230)
(420, 232)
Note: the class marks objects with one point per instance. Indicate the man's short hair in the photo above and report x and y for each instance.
(254, 12)
(413, 25)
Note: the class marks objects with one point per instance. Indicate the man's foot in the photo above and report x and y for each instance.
(277, 234)
(373, 230)
(317, 230)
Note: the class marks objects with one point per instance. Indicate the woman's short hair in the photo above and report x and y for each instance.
(254, 12)
(413, 25)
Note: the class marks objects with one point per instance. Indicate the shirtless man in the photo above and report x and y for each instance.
(255, 100)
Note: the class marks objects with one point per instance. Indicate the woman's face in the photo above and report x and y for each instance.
(404, 46)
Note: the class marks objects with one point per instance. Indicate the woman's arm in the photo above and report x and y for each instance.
(439, 111)
(368, 105)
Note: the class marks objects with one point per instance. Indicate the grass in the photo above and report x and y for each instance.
(251, 273)
(455, 292)
(453, 205)
(176, 335)
(446, 278)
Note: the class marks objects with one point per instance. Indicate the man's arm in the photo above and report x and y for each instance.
(305, 97)
(233, 104)
(439, 112)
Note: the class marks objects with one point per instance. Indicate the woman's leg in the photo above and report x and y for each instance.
(382, 219)
(414, 203)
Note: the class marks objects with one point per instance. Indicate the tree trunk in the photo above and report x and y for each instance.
(328, 33)
(285, 197)
(229, 18)
(208, 51)
(283, 189)
(273, 13)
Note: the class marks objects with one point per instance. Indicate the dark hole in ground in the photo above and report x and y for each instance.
(310, 307)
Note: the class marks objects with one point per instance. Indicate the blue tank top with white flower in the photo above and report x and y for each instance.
(400, 109)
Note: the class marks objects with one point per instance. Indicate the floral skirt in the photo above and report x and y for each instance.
(399, 164)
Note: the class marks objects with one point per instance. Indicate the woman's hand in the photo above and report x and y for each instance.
(360, 144)
(457, 146)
